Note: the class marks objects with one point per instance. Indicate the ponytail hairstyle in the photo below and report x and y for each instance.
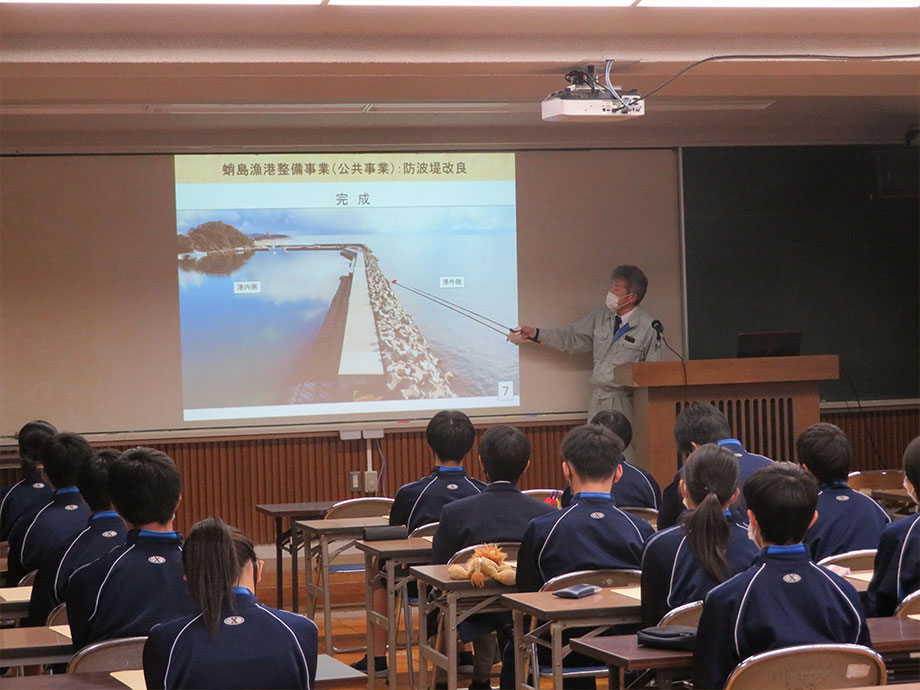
(710, 477)
(214, 556)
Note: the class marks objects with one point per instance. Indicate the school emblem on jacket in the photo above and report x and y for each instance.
(71, 506)
(234, 620)
(38, 485)
(792, 578)
(452, 487)
(109, 533)
(843, 497)
(597, 516)
(157, 560)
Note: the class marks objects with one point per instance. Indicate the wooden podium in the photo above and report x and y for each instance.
(768, 401)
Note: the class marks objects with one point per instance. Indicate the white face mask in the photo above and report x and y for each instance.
(612, 301)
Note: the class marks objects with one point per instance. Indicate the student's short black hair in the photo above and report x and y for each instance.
(450, 434)
(145, 486)
(700, 423)
(635, 280)
(782, 497)
(93, 479)
(63, 455)
(32, 437)
(826, 450)
(592, 451)
(617, 422)
(912, 463)
(505, 452)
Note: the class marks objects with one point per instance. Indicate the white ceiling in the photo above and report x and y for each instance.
(93, 78)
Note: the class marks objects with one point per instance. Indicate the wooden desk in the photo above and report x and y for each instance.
(317, 534)
(859, 579)
(623, 653)
(458, 601)
(28, 646)
(330, 673)
(397, 554)
(284, 539)
(14, 602)
(598, 611)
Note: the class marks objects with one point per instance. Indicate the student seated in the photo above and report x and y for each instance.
(592, 533)
(637, 488)
(34, 541)
(500, 513)
(450, 434)
(232, 641)
(31, 492)
(103, 532)
(847, 520)
(897, 563)
(681, 564)
(141, 583)
(700, 423)
(783, 599)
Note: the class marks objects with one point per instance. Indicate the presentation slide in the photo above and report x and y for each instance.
(346, 283)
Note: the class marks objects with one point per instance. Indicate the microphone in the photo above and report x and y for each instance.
(659, 327)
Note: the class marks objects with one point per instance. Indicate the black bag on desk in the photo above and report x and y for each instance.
(681, 637)
(386, 533)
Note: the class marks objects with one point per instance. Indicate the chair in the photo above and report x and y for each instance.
(688, 614)
(811, 666)
(510, 548)
(58, 616)
(28, 579)
(863, 559)
(367, 506)
(650, 515)
(542, 494)
(601, 578)
(867, 480)
(426, 530)
(126, 654)
(909, 606)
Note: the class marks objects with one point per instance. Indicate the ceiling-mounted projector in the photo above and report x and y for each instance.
(583, 101)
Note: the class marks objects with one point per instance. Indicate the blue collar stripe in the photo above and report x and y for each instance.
(441, 468)
(67, 490)
(623, 329)
(104, 515)
(157, 535)
(730, 442)
(839, 484)
(594, 494)
(237, 589)
(792, 548)
(727, 513)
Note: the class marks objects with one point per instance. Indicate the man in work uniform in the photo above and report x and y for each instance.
(619, 332)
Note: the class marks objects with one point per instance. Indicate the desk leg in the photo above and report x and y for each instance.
(520, 663)
(370, 618)
(615, 678)
(422, 636)
(450, 639)
(392, 622)
(279, 539)
(555, 633)
(327, 604)
(295, 562)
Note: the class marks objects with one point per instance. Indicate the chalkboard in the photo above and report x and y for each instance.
(793, 238)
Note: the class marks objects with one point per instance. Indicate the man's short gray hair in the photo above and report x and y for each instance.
(635, 280)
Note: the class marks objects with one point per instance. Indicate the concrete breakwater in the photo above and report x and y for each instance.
(411, 368)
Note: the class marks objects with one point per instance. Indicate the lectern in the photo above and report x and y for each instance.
(768, 401)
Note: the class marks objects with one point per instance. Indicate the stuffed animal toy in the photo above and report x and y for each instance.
(488, 561)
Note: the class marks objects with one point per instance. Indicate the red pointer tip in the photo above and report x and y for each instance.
(394, 280)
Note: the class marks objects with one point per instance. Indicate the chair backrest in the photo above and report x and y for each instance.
(28, 579)
(910, 605)
(876, 479)
(688, 614)
(542, 494)
(4, 549)
(368, 506)
(427, 530)
(58, 616)
(602, 578)
(650, 515)
(810, 666)
(510, 548)
(863, 559)
(126, 654)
